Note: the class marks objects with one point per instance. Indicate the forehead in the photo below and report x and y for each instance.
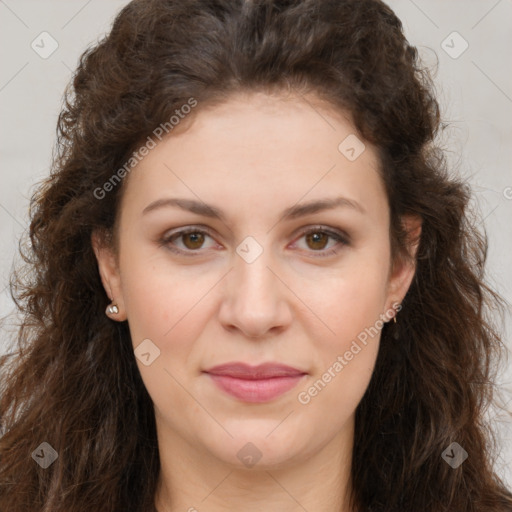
(254, 144)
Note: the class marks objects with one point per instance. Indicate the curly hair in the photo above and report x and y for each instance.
(74, 382)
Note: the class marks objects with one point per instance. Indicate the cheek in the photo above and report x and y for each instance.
(167, 310)
(356, 326)
(351, 307)
(170, 306)
(160, 300)
(344, 361)
(350, 301)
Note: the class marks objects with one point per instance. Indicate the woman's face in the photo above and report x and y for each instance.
(250, 285)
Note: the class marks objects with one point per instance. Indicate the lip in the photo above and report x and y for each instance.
(255, 384)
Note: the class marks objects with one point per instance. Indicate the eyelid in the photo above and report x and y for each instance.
(335, 232)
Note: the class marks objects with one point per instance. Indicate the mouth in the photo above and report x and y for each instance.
(255, 384)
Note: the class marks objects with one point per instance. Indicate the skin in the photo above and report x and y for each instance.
(253, 157)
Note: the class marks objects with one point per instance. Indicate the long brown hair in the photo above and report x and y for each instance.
(74, 383)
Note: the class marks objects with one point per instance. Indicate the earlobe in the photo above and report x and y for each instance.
(109, 274)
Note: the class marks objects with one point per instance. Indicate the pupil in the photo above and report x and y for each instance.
(317, 238)
(197, 240)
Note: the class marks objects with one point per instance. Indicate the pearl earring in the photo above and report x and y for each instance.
(112, 309)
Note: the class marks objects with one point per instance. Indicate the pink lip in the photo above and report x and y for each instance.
(255, 384)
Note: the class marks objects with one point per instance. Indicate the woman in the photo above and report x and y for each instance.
(254, 285)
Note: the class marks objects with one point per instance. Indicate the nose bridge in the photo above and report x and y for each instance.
(251, 264)
(254, 302)
(253, 279)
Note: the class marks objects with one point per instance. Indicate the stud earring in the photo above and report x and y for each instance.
(112, 309)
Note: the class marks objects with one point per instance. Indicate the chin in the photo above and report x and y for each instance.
(258, 450)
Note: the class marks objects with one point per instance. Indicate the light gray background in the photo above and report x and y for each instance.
(474, 89)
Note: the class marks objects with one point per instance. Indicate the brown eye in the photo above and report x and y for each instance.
(317, 239)
(193, 240)
(187, 241)
(321, 241)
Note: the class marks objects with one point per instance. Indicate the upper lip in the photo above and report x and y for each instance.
(262, 371)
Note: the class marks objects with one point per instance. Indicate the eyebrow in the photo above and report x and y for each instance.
(294, 212)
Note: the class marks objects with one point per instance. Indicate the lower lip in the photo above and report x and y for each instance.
(256, 391)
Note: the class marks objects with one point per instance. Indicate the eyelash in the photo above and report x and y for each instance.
(335, 235)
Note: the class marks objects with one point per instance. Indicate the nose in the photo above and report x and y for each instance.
(256, 300)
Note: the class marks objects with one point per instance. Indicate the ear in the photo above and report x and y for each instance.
(109, 272)
(403, 269)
